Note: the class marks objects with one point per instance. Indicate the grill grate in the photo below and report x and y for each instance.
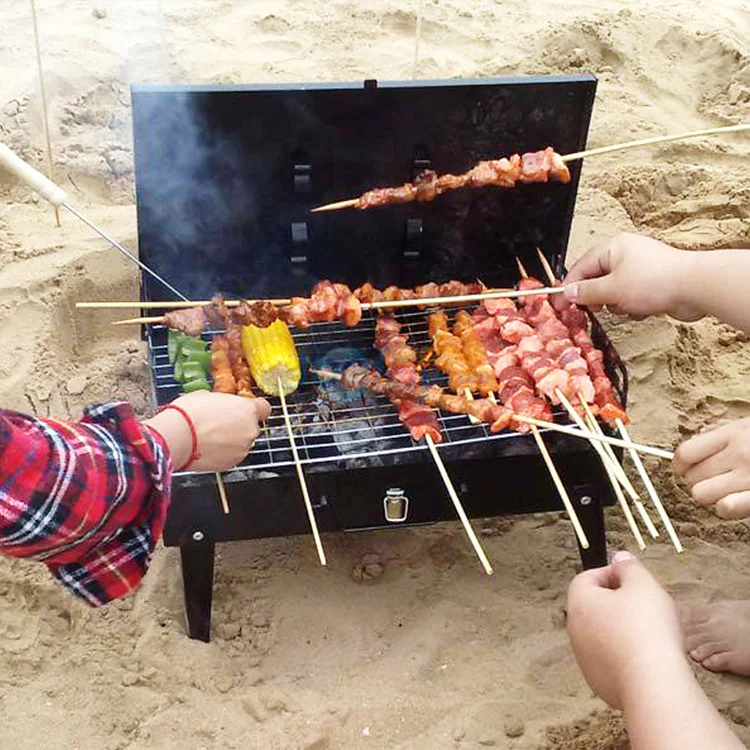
(335, 428)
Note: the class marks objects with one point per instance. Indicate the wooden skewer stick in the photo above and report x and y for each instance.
(607, 468)
(652, 491)
(352, 202)
(222, 493)
(470, 397)
(168, 305)
(458, 506)
(653, 141)
(571, 511)
(627, 484)
(301, 477)
(427, 301)
(650, 450)
(45, 114)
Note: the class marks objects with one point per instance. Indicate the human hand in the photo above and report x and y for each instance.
(716, 465)
(226, 427)
(631, 275)
(623, 628)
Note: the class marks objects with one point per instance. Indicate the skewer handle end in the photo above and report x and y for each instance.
(32, 177)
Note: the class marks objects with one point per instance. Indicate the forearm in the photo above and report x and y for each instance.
(665, 709)
(717, 283)
(88, 499)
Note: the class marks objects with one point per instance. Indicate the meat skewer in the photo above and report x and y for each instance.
(513, 384)
(539, 166)
(517, 383)
(299, 313)
(540, 315)
(400, 360)
(498, 417)
(648, 484)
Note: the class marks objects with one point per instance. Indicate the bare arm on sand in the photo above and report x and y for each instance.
(626, 637)
(638, 276)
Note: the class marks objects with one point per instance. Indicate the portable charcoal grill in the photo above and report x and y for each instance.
(225, 179)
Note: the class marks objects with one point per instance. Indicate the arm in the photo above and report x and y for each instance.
(665, 708)
(89, 499)
(638, 276)
(717, 283)
(627, 640)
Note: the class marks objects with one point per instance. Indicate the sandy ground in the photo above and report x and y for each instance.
(431, 654)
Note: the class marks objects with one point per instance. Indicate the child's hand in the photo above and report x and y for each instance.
(716, 465)
(631, 275)
(623, 628)
(226, 427)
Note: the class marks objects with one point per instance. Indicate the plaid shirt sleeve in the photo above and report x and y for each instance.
(88, 499)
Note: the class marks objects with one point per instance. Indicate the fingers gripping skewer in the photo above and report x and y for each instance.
(301, 477)
(651, 491)
(458, 506)
(55, 195)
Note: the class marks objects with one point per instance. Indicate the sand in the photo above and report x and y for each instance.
(431, 653)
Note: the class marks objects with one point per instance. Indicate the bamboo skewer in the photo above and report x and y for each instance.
(458, 506)
(45, 113)
(608, 469)
(426, 301)
(582, 540)
(222, 493)
(650, 450)
(352, 202)
(169, 304)
(652, 491)
(627, 485)
(301, 477)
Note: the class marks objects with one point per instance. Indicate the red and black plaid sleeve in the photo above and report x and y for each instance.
(88, 499)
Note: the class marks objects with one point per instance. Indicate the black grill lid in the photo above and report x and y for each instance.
(226, 175)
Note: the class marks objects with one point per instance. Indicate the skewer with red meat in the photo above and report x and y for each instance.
(356, 376)
(571, 375)
(536, 166)
(401, 367)
(601, 391)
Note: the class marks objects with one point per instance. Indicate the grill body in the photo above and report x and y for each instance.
(225, 179)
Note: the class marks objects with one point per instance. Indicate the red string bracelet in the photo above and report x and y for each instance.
(195, 453)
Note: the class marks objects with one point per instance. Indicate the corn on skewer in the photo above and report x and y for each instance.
(272, 357)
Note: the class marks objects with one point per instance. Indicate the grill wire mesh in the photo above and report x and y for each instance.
(335, 428)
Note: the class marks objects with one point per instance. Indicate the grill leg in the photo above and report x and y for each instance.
(591, 515)
(198, 581)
